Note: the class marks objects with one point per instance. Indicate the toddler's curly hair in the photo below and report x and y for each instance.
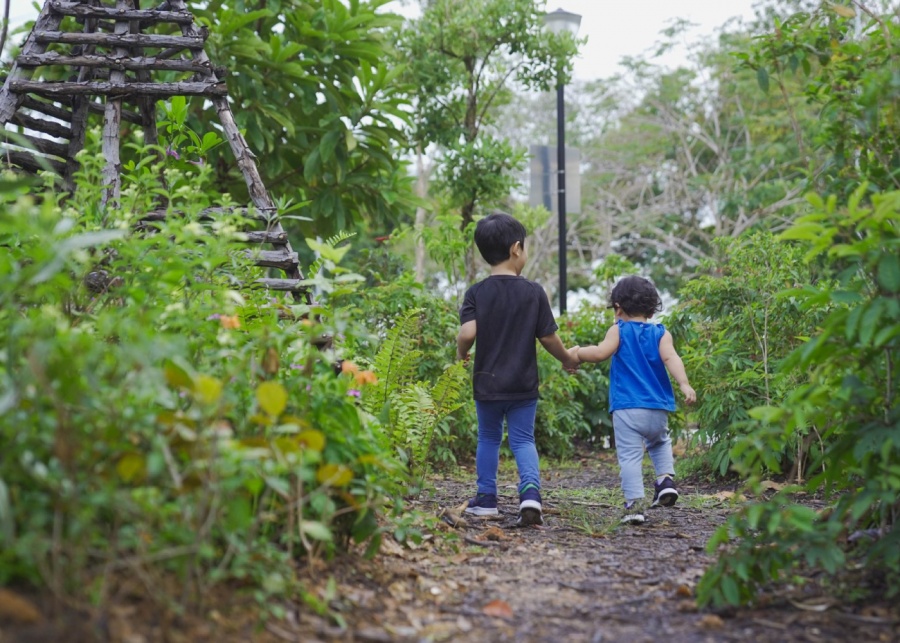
(636, 296)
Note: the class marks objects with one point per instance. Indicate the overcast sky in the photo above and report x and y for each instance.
(631, 27)
(614, 29)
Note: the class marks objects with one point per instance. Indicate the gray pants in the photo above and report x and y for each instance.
(634, 429)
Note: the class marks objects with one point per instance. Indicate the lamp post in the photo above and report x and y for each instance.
(560, 22)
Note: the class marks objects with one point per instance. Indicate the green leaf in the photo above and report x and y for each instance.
(316, 530)
(177, 375)
(889, 272)
(762, 77)
(7, 520)
(730, 590)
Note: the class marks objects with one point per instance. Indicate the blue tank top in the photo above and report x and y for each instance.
(638, 378)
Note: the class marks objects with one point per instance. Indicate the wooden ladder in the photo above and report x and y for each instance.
(114, 61)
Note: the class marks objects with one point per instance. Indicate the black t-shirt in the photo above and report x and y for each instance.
(510, 313)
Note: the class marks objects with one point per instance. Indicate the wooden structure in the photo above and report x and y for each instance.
(123, 59)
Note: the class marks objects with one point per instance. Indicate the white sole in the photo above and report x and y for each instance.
(480, 511)
(666, 498)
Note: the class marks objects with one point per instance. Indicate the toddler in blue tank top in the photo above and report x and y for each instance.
(640, 392)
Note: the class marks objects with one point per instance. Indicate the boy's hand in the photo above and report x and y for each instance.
(463, 358)
(690, 396)
(571, 362)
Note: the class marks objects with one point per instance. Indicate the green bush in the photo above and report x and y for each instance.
(734, 328)
(166, 421)
(849, 402)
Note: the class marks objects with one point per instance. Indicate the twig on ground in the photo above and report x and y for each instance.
(482, 543)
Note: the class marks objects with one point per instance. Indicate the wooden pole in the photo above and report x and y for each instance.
(10, 101)
(112, 119)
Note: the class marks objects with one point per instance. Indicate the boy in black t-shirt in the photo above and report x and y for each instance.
(508, 312)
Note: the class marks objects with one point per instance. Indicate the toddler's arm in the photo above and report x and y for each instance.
(602, 351)
(676, 367)
(553, 344)
(465, 339)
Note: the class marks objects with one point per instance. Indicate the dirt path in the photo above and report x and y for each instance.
(581, 577)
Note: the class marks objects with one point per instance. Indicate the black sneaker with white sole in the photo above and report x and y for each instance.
(530, 507)
(633, 512)
(665, 494)
(483, 504)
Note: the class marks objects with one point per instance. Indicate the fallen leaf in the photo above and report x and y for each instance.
(684, 591)
(453, 517)
(712, 622)
(17, 609)
(771, 485)
(727, 495)
(498, 608)
(399, 591)
(494, 533)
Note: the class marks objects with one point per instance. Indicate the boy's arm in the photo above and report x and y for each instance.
(602, 351)
(676, 367)
(465, 339)
(555, 347)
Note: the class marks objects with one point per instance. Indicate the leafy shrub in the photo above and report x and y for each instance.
(850, 402)
(164, 421)
(734, 328)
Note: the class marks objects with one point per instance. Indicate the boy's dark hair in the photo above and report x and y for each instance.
(635, 296)
(495, 234)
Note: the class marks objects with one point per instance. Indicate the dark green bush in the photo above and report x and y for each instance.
(848, 401)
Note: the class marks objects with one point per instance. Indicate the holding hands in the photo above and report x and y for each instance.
(570, 362)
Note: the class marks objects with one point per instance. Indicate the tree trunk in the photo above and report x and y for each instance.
(421, 192)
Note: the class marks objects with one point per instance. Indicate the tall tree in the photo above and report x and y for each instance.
(464, 56)
(674, 158)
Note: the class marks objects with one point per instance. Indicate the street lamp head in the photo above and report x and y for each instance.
(560, 21)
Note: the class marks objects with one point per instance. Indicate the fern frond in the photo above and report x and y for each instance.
(415, 425)
(397, 359)
(332, 242)
(448, 389)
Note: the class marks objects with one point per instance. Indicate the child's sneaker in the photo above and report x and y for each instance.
(633, 514)
(665, 493)
(483, 504)
(530, 507)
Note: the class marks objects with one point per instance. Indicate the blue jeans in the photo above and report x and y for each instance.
(519, 417)
(635, 428)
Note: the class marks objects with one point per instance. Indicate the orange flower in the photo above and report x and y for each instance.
(230, 321)
(366, 377)
(349, 367)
